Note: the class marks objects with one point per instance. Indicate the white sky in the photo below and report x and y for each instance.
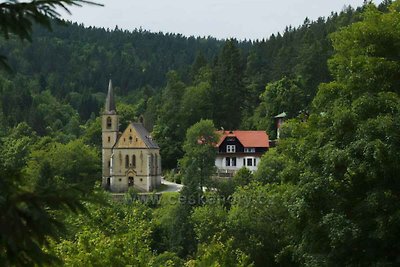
(251, 19)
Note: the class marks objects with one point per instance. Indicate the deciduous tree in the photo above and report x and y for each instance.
(199, 159)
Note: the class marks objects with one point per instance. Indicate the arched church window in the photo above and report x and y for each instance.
(126, 161)
(109, 122)
(155, 164)
(109, 139)
(151, 164)
(133, 161)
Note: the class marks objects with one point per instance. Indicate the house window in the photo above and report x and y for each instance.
(108, 122)
(133, 161)
(126, 161)
(244, 162)
(249, 162)
(230, 161)
(231, 148)
(249, 150)
(255, 162)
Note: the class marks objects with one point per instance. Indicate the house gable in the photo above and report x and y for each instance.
(230, 141)
(130, 138)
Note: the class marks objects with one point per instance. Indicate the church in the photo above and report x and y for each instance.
(129, 159)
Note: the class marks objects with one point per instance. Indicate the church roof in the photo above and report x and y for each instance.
(145, 135)
(110, 102)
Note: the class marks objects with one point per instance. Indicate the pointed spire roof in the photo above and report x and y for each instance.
(110, 102)
(281, 115)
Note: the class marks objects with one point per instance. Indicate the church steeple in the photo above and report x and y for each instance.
(109, 126)
(110, 103)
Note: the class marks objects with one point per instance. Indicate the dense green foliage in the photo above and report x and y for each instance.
(17, 18)
(198, 161)
(40, 179)
(66, 71)
(343, 161)
(326, 195)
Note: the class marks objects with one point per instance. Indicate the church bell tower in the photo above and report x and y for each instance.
(109, 126)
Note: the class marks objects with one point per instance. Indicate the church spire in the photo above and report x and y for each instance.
(110, 103)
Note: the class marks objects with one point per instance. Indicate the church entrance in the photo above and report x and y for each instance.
(108, 183)
(130, 181)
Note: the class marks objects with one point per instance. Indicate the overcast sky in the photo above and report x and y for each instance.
(250, 19)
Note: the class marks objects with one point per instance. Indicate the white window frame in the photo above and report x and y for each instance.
(230, 148)
(230, 162)
(249, 160)
(249, 150)
(227, 161)
(252, 160)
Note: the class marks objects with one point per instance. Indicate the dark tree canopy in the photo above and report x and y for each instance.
(326, 195)
(17, 18)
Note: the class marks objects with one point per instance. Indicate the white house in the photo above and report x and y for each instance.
(240, 148)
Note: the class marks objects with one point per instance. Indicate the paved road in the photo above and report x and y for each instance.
(172, 187)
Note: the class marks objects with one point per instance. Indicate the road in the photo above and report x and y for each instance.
(171, 187)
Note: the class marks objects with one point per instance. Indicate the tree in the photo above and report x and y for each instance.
(17, 18)
(259, 223)
(92, 132)
(75, 163)
(27, 221)
(220, 253)
(343, 161)
(127, 114)
(173, 228)
(199, 160)
(209, 220)
(167, 259)
(285, 95)
(49, 116)
(111, 234)
(17, 146)
(227, 86)
(168, 130)
(196, 101)
(199, 63)
(243, 177)
(276, 167)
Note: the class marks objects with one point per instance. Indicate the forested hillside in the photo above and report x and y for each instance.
(60, 79)
(326, 195)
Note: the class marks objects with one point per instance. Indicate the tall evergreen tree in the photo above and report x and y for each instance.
(227, 86)
(168, 130)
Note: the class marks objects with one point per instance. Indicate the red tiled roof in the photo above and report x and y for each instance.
(247, 138)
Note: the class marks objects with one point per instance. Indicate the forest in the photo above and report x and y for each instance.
(326, 195)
